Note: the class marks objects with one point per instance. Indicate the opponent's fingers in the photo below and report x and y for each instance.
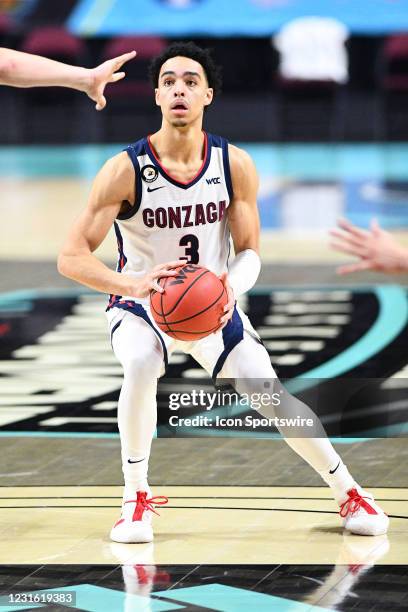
(349, 239)
(349, 227)
(355, 267)
(357, 251)
(117, 76)
(338, 233)
(376, 228)
(100, 102)
(121, 59)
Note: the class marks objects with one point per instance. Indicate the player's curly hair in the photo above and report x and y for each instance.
(194, 52)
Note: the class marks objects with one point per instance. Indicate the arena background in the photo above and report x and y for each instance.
(244, 528)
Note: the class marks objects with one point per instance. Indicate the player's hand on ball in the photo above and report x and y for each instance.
(229, 306)
(149, 282)
(103, 74)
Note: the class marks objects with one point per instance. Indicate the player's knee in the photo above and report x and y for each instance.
(251, 361)
(144, 365)
(255, 386)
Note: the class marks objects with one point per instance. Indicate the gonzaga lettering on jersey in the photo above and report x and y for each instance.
(184, 216)
(174, 220)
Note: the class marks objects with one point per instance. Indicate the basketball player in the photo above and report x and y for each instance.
(376, 249)
(25, 70)
(178, 195)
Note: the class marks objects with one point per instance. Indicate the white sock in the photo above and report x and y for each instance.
(340, 481)
(320, 454)
(135, 474)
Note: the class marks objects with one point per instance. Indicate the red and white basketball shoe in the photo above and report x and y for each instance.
(135, 523)
(361, 514)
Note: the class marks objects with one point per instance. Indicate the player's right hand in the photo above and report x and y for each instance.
(149, 282)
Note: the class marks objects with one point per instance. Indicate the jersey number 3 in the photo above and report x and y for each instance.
(191, 243)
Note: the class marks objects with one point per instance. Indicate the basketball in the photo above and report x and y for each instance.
(191, 305)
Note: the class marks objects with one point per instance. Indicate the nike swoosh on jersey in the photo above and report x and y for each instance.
(130, 461)
(150, 189)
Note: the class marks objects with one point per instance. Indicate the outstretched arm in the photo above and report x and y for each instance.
(25, 70)
(376, 249)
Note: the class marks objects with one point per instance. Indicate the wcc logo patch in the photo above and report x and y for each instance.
(149, 173)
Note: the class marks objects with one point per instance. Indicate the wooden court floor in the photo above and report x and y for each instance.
(200, 525)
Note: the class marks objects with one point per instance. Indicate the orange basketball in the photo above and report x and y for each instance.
(191, 305)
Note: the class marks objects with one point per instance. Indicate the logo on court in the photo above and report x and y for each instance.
(149, 173)
(312, 328)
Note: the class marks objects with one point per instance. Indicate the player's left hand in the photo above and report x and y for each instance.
(375, 248)
(229, 306)
(102, 75)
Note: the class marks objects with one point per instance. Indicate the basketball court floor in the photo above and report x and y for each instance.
(248, 525)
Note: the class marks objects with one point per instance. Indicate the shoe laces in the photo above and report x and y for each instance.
(354, 502)
(146, 503)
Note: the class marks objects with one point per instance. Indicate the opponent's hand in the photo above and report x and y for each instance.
(376, 248)
(229, 306)
(103, 74)
(149, 282)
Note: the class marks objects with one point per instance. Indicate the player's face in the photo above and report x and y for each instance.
(182, 91)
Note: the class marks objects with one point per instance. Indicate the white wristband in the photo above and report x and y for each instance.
(244, 271)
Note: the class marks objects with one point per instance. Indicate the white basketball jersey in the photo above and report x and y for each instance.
(173, 220)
